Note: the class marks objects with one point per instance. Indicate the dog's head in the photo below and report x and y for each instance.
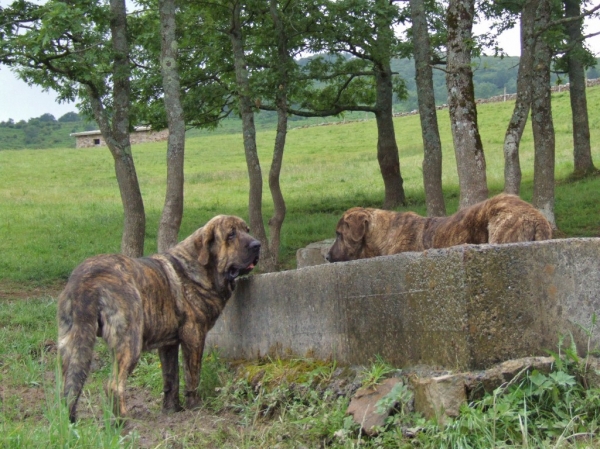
(225, 243)
(350, 236)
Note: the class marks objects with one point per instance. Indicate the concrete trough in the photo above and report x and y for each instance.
(466, 307)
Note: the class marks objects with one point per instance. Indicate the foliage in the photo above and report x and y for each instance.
(60, 206)
(376, 372)
(534, 410)
(42, 132)
(278, 402)
(491, 76)
(62, 46)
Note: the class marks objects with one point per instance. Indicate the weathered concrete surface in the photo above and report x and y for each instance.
(313, 254)
(466, 307)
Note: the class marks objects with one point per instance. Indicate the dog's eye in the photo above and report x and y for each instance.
(232, 234)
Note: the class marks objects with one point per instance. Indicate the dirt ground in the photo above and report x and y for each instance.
(14, 290)
(152, 429)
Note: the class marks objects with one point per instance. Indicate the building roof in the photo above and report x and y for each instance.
(98, 133)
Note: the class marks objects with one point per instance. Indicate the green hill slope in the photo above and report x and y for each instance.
(59, 206)
(42, 132)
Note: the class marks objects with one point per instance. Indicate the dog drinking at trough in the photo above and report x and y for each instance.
(159, 302)
(364, 232)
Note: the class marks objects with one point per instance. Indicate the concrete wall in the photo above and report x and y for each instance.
(95, 139)
(466, 307)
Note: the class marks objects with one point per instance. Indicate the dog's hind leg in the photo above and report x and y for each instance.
(125, 358)
(122, 328)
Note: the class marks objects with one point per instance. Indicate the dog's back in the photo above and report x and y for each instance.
(91, 305)
(504, 218)
(514, 220)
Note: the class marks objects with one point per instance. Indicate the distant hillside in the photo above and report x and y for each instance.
(44, 131)
(491, 77)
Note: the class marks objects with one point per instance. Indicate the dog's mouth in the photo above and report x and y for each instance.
(236, 270)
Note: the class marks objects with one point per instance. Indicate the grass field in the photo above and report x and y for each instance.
(59, 206)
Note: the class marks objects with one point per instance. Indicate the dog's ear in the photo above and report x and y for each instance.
(203, 243)
(357, 222)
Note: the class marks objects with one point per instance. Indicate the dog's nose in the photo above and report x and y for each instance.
(255, 245)
(327, 257)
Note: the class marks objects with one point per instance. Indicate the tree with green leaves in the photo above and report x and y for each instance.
(355, 43)
(172, 212)
(432, 145)
(241, 60)
(80, 49)
(576, 59)
(470, 160)
(541, 114)
(267, 78)
(246, 108)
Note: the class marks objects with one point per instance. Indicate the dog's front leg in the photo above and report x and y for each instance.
(170, 371)
(192, 347)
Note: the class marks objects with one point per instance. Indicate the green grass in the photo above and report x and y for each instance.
(59, 206)
(272, 402)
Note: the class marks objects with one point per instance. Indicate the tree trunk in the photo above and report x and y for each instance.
(582, 152)
(387, 148)
(249, 132)
(514, 132)
(468, 148)
(117, 135)
(172, 213)
(279, 208)
(541, 122)
(432, 146)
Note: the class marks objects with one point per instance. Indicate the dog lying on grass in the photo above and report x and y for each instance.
(160, 302)
(364, 232)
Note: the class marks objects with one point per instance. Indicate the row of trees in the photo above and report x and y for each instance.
(42, 119)
(179, 63)
(44, 131)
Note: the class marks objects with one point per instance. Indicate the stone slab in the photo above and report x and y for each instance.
(466, 307)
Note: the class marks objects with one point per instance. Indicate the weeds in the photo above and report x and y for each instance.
(51, 219)
(378, 371)
(281, 403)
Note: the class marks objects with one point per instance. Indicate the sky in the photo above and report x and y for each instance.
(19, 101)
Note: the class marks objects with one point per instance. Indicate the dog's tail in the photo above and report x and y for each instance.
(77, 330)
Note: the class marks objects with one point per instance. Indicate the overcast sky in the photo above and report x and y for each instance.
(22, 102)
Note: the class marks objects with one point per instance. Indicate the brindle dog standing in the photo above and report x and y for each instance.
(363, 233)
(162, 301)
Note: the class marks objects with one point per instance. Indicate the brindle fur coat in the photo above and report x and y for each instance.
(160, 302)
(366, 232)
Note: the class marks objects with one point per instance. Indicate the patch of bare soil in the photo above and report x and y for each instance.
(153, 428)
(16, 290)
(144, 422)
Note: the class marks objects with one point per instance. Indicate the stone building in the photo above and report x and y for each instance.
(140, 134)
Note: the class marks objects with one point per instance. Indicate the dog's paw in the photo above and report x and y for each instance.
(171, 408)
(192, 402)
